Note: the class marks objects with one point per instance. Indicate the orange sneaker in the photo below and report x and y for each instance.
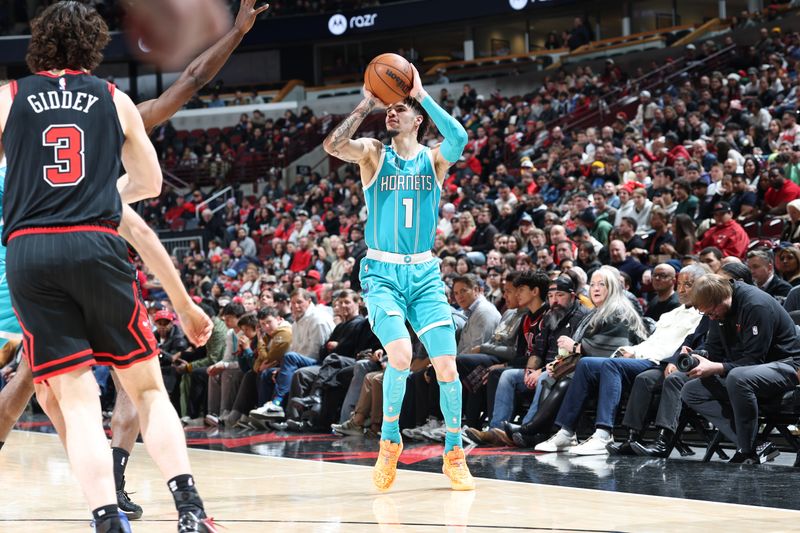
(455, 467)
(386, 466)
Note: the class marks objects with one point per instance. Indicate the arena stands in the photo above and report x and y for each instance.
(668, 153)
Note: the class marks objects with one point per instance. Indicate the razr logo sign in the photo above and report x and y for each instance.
(338, 24)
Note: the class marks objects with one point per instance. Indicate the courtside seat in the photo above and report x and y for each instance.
(779, 413)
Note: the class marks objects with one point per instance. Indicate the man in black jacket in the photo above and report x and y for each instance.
(483, 238)
(753, 352)
(530, 295)
(761, 264)
(351, 336)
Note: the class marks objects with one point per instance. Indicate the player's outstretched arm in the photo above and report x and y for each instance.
(200, 71)
(196, 324)
(138, 154)
(455, 136)
(340, 143)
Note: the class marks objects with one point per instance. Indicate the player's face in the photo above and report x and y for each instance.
(401, 119)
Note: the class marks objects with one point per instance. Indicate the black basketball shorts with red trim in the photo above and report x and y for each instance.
(75, 294)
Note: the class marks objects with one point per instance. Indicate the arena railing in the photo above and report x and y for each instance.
(224, 194)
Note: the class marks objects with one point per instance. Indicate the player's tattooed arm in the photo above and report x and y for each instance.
(340, 143)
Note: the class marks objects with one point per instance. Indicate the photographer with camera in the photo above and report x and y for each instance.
(753, 352)
(666, 377)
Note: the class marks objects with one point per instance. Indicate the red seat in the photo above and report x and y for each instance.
(772, 228)
(753, 229)
(181, 134)
(197, 133)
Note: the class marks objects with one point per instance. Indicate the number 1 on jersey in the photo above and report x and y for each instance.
(408, 203)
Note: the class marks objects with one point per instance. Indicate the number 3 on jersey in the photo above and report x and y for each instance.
(67, 143)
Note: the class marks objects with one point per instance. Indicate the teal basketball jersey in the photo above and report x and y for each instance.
(403, 204)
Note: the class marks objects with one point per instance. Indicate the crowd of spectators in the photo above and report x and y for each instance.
(553, 241)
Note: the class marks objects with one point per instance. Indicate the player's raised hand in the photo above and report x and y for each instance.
(196, 325)
(169, 32)
(417, 91)
(247, 15)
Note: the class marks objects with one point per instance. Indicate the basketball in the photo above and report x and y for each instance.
(389, 77)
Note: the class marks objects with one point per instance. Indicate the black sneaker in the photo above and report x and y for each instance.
(131, 510)
(766, 451)
(107, 527)
(189, 522)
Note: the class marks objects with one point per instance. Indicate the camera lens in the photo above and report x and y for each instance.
(686, 362)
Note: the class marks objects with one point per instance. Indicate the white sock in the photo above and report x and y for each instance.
(568, 433)
(601, 433)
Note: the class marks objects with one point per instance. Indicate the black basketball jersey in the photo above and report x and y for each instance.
(63, 142)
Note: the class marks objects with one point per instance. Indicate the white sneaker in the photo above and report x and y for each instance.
(416, 433)
(436, 434)
(268, 410)
(557, 443)
(594, 445)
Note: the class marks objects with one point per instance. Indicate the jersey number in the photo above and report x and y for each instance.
(67, 143)
(408, 203)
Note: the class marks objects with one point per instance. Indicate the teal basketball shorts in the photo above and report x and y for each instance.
(395, 293)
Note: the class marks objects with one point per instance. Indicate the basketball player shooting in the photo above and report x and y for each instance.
(400, 278)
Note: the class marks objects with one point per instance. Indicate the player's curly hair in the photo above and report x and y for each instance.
(67, 35)
(426, 120)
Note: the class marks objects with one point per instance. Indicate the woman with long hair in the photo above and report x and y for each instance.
(607, 332)
(752, 168)
(683, 229)
(466, 228)
(341, 266)
(613, 323)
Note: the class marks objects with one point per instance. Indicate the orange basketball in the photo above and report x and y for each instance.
(389, 77)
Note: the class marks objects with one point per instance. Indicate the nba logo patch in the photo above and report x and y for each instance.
(62, 84)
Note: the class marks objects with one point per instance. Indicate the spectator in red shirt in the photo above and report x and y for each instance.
(313, 285)
(781, 191)
(675, 149)
(726, 234)
(285, 228)
(302, 257)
